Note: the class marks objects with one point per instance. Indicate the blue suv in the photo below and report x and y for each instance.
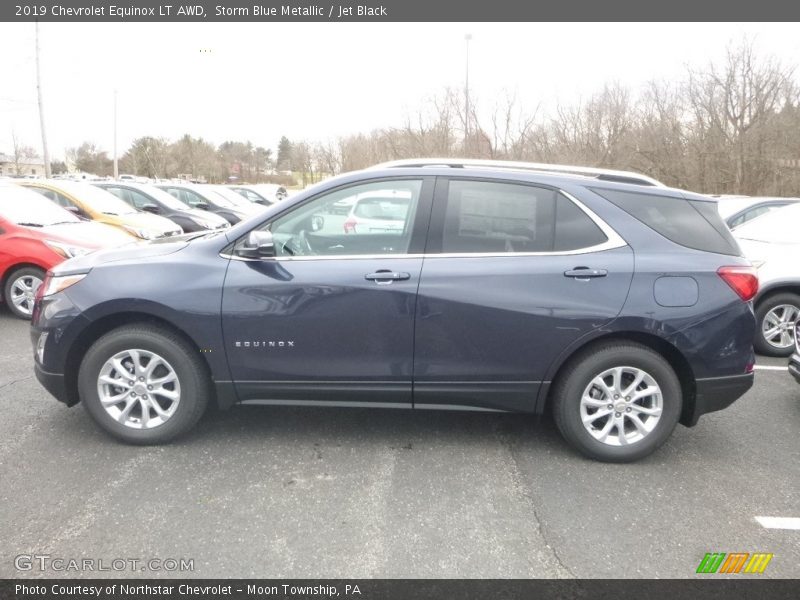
(619, 304)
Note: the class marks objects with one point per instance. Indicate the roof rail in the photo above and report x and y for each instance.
(464, 163)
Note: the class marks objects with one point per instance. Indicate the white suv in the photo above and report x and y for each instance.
(772, 243)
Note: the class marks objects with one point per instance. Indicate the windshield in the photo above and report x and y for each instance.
(779, 226)
(165, 198)
(96, 199)
(30, 209)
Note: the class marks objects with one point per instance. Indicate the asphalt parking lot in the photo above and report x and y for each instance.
(280, 492)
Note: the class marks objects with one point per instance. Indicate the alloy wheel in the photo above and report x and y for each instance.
(139, 389)
(23, 293)
(777, 326)
(621, 406)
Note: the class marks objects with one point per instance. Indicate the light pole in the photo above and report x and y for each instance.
(116, 164)
(45, 153)
(467, 39)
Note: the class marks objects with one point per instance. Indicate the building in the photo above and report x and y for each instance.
(27, 166)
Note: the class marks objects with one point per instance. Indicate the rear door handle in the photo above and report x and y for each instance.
(585, 273)
(386, 276)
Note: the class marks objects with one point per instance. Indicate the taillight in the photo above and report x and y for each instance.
(743, 280)
(350, 226)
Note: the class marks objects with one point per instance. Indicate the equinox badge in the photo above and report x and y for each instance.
(266, 344)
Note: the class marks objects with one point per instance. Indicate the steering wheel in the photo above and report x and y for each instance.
(298, 245)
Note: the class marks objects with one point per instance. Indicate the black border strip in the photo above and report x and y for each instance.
(397, 11)
(708, 587)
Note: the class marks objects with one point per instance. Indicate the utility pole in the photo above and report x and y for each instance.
(46, 154)
(116, 164)
(467, 38)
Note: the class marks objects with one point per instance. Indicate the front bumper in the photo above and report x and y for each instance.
(716, 393)
(53, 383)
(794, 366)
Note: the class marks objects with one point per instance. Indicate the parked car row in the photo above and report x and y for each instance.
(46, 221)
(35, 236)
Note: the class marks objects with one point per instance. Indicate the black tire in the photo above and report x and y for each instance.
(195, 384)
(10, 280)
(762, 346)
(589, 364)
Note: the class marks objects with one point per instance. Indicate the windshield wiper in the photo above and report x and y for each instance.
(113, 214)
(30, 224)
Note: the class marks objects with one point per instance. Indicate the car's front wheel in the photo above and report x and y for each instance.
(143, 384)
(617, 402)
(776, 316)
(20, 290)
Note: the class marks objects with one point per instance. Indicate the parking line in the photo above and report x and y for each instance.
(770, 368)
(779, 522)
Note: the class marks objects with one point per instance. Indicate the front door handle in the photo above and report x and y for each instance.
(385, 276)
(585, 273)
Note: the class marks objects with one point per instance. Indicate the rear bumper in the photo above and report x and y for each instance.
(794, 366)
(716, 393)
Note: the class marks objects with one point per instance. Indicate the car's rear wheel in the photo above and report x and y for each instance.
(617, 402)
(143, 384)
(776, 316)
(20, 290)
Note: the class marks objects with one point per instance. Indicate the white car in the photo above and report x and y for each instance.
(772, 243)
(738, 210)
(381, 211)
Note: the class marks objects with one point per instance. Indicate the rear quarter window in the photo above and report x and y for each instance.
(690, 223)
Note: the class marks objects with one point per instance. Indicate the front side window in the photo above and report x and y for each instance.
(492, 217)
(138, 199)
(379, 220)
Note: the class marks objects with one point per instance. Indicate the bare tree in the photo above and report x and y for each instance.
(733, 107)
(21, 154)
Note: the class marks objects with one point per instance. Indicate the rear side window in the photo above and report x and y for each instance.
(690, 223)
(503, 217)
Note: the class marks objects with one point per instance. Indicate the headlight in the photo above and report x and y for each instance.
(58, 283)
(145, 234)
(66, 250)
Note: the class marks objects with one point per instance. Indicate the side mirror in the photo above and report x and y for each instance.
(202, 205)
(259, 244)
(153, 208)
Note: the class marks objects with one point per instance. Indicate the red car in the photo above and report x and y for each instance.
(36, 235)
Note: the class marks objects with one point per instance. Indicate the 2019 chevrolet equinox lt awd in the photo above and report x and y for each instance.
(619, 304)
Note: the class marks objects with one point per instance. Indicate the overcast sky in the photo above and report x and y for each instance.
(259, 81)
